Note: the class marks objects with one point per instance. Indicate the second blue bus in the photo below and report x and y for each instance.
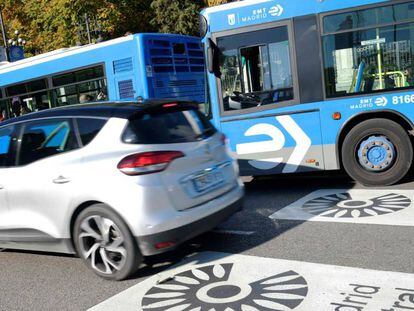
(141, 66)
(310, 85)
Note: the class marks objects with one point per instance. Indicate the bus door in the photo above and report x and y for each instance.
(259, 98)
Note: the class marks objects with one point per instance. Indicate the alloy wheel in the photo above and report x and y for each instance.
(102, 244)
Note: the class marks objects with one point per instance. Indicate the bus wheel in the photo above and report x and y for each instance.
(377, 152)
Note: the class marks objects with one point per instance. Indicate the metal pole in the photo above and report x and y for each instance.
(87, 28)
(3, 32)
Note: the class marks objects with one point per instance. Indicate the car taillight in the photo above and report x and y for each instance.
(170, 105)
(148, 162)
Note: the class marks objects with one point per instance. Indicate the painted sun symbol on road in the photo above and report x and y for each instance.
(214, 288)
(344, 205)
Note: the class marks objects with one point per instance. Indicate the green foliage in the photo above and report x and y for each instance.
(52, 24)
(176, 16)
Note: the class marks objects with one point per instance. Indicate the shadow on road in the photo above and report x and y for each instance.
(251, 227)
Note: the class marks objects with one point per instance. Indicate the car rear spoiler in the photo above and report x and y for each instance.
(163, 107)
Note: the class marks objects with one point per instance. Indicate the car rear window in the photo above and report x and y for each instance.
(89, 128)
(168, 128)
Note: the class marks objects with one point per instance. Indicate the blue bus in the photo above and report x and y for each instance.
(135, 66)
(310, 85)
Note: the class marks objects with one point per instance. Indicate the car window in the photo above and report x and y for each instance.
(168, 128)
(89, 128)
(42, 139)
(5, 145)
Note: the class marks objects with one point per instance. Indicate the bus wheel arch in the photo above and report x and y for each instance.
(372, 131)
(382, 114)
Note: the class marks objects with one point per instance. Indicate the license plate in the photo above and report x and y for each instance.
(207, 181)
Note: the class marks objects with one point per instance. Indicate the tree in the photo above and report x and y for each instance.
(176, 16)
(52, 24)
(179, 16)
(216, 2)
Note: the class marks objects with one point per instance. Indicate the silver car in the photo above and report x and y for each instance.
(113, 182)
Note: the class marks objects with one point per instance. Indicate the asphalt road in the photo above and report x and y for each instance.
(34, 281)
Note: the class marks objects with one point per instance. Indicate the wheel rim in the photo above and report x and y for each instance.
(102, 244)
(376, 154)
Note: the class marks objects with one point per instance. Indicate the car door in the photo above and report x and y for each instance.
(41, 190)
(7, 157)
(268, 129)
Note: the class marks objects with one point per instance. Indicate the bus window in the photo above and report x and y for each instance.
(369, 17)
(4, 110)
(179, 48)
(74, 87)
(255, 69)
(378, 58)
(252, 68)
(33, 94)
(230, 73)
(28, 87)
(68, 89)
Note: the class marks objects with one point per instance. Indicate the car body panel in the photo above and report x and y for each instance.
(4, 206)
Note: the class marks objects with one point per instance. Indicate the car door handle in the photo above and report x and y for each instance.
(1, 187)
(61, 180)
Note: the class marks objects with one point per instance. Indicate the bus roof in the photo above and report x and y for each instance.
(252, 12)
(8, 71)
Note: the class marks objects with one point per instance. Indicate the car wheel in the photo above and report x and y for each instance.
(377, 152)
(105, 243)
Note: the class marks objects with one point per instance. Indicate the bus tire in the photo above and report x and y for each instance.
(377, 152)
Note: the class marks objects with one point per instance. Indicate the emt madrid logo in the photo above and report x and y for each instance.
(277, 10)
(381, 101)
(276, 143)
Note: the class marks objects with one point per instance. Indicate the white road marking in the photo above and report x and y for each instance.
(216, 281)
(357, 206)
(234, 232)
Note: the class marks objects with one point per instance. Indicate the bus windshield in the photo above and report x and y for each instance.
(255, 69)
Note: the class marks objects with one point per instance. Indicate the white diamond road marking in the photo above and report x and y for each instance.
(224, 282)
(357, 206)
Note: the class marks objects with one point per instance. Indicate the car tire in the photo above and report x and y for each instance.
(377, 152)
(105, 243)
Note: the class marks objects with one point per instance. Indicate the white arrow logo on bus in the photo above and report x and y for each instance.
(381, 101)
(277, 10)
(277, 142)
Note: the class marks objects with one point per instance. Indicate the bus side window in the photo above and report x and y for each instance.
(369, 50)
